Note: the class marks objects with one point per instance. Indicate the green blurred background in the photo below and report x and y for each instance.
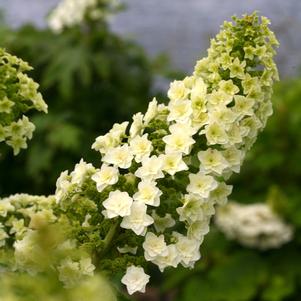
(94, 77)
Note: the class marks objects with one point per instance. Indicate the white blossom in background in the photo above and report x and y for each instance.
(69, 13)
(254, 225)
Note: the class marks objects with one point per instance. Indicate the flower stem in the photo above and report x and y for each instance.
(109, 237)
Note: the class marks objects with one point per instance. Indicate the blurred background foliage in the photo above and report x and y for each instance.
(91, 78)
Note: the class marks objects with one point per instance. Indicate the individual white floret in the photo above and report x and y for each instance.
(212, 160)
(234, 156)
(5, 207)
(173, 163)
(117, 204)
(162, 223)
(219, 98)
(140, 147)
(177, 91)
(182, 128)
(151, 168)
(191, 210)
(118, 130)
(237, 68)
(154, 246)
(228, 87)
(135, 279)
(137, 125)
(220, 193)
(104, 143)
(244, 106)
(199, 89)
(223, 115)
(138, 220)
(179, 110)
(63, 185)
(188, 250)
(18, 228)
(148, 193)
(235, 134)
(201, 184)
(170, 260)
(215, 134)
(107, 175)
(120, 156)
(178, 142)
(198, 230)
(80, 171)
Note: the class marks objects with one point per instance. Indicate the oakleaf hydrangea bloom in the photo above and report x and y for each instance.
(70, 13)
(18, 94)
(162, 176)
(254, 225)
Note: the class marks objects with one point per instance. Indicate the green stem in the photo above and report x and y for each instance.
(109, 237)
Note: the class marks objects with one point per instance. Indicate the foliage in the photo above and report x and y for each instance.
(230, 272)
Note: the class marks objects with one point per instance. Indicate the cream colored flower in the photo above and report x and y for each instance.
(154, 246)
(201, 184)
(162, 223)
(135, 279)
(138, 220)
(120, 156)
(179, 110)
(137, 125)
(177, 91)
(148, 193)
(151, 168)
(117, 204)
(212, 160)
(173, 163)
(171, 259)
(188, 250)
(140, 147)
(80, 171)
(107, 175)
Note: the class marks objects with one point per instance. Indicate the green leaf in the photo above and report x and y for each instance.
(280, 286)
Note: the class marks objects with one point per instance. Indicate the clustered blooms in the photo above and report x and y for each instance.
(162, 176)
(254, 225)
(70, 13)
(24, 287)
(18, 94)
(25, 226)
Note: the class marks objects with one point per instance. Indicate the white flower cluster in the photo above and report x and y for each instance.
(22, 216)
(163, 175)
(18, 94)
(254, 225)
(70, 13)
